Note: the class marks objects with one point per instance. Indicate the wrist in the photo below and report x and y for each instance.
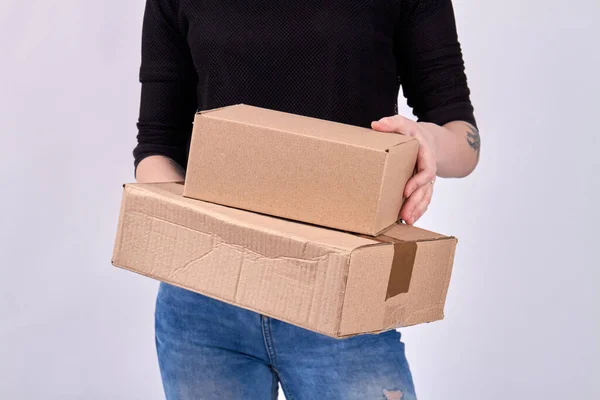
(434, 135)
(158, 168)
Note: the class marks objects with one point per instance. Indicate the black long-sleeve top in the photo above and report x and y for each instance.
(340, 60)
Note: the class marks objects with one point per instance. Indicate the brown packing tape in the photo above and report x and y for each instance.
(402, 268)
(402, 265)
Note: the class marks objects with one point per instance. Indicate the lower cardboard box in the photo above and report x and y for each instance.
(332, 282)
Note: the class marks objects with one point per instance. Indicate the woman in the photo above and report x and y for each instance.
(338, 60)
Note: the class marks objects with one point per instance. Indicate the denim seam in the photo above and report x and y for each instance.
(266, 331)
(268, 339)
(284, 385)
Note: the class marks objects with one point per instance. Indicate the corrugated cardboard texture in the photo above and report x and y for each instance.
(320, 279)
(433, 260)
(321, 172)
(428, 288)
(406, 287)
(363, 309)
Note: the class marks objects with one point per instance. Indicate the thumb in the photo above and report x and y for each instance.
(382, 125)
(396, 123)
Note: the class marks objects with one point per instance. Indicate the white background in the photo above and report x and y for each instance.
(522, 317)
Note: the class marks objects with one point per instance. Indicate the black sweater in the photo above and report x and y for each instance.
(340, 60)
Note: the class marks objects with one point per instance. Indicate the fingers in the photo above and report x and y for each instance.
(396, 123)
(426, 161)
(417, 204)
(422, 178)
(427, 167)
(423, 205)
(418, 191)
(410, 204)
(419, 188)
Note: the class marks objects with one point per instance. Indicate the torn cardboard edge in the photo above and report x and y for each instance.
(337, 334)
(216, 297)
(436, 307)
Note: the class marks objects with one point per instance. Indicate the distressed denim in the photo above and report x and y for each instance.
(211, 350)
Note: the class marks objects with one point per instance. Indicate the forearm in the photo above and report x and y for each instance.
(159, 169)
(457, 149)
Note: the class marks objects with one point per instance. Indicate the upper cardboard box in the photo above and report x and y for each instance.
(306, 169)
(328, 281)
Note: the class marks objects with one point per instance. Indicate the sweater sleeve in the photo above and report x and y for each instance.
(430, 62)
(168, 78)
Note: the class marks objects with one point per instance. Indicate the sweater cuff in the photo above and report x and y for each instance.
(452, 112)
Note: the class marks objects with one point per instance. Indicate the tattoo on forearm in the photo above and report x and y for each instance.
(473, 139)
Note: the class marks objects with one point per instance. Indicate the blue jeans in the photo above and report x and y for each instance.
(211, 350)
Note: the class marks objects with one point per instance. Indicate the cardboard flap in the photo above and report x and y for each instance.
(405, 239)
(407, 280)
(407, 233)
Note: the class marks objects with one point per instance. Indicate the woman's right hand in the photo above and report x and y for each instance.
(159, 169)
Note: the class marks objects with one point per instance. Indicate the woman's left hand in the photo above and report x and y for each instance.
(419, 188)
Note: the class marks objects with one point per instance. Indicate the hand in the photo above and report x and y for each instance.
(419, 188)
